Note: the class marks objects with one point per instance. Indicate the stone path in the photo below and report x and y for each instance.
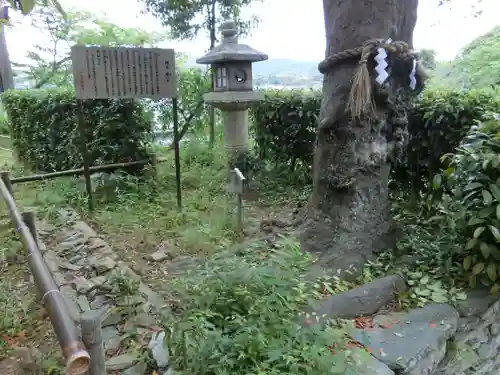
(92, 277)
(438, 339)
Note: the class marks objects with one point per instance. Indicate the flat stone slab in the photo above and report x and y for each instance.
(366, 364)
(477, 302)
(121, 362)
(364, 300)
(415, 343)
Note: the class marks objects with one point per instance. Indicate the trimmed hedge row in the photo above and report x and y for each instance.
(44, 129)
(437, 124)
(285, 124)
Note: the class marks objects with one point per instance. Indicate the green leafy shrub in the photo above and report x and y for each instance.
(285, 129)
(192, 83)
(240, 315)
(438, 122)
(284, 126)
(4, 122)
(44, 129)
(4, 125)
(474, 178)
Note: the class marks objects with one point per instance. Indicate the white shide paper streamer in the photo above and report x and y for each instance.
(382, 64)
(413, 80)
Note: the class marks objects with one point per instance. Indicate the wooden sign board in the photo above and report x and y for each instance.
(122, 72)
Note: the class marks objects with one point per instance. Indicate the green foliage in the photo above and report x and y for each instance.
(474, 180)
(240, 315)
(192, 83)
(284, 126)
(428, 58)
(425, 255)
(44, 131)
(50, 64)
(437, 123)
(185, 20)
(4, 122)
(477, 65)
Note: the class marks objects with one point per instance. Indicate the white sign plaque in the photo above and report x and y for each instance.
(123, 72)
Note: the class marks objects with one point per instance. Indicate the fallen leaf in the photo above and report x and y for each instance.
(363, 322)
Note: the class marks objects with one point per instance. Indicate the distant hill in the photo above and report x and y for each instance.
(282, 73)
(279, 67)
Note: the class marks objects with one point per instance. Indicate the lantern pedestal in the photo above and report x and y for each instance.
(235, 132)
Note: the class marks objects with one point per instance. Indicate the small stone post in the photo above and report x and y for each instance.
(92, 338)
(237, 187)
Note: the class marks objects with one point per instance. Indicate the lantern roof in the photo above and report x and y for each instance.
(230, 50)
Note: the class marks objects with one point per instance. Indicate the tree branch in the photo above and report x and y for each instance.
(49, 76)
(187, 123)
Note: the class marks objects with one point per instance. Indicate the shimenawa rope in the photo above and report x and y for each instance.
(360, 96)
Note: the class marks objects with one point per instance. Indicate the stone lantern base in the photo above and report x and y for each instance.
(234, 106)
(236, 141)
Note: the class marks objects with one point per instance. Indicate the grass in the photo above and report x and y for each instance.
(23, 322)
(138, 216)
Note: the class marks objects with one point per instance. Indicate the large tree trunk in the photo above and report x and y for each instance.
(347, 219)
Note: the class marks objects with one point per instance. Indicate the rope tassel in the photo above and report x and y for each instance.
(360, 101)
(360, 96)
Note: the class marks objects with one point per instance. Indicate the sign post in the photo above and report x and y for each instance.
(237, 186)
(125, 73)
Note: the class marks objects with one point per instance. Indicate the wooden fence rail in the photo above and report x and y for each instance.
(77, 357)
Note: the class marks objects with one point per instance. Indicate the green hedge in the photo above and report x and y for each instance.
(437, 124)
(472, 181)
(285, 124)
(44, 129)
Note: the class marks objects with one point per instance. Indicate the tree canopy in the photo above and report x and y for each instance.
(50, 64)
(476, 66)
(187, 19)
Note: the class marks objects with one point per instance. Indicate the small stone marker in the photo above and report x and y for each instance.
(237, 186)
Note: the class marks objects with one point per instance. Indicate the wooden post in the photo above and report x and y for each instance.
(85, 153)
(177, 153)
(92, 338)
(154, 164)
(5, 176)
(29, 221)
(239, 212)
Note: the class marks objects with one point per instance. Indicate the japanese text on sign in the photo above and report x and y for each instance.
(122, 72)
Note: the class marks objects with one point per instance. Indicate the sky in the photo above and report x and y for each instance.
(445, 29)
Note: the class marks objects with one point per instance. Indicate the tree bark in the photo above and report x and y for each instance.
(347, 219)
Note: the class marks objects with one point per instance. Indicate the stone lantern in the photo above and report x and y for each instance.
(231, 65)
